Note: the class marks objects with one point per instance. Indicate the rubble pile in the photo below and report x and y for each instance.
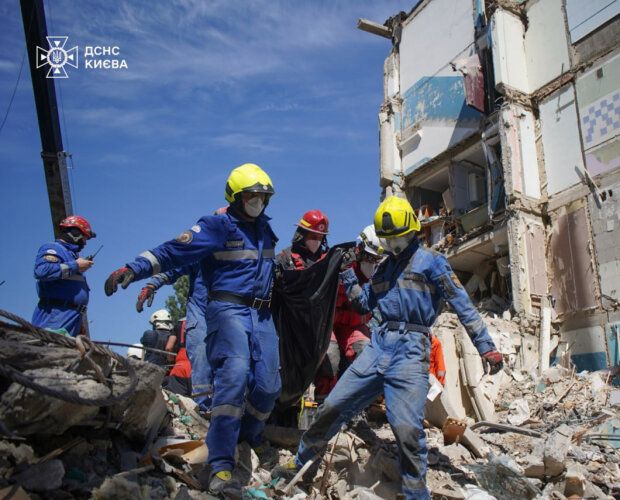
(553, 436)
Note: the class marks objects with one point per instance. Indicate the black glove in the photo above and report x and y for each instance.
(492, 362)
(348, 258)
(124, 276)
(147, 293)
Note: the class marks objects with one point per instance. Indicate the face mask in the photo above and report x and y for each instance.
(367, 268)
(163, 325)
(76, 237)
(397, 245)
(254, 207)
(313, 245)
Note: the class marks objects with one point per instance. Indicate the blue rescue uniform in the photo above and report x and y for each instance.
(195, 328)
(237, 260)
(408, 290)
(62, 289)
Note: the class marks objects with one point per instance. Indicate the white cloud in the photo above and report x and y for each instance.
(8, 66)
(241, 140)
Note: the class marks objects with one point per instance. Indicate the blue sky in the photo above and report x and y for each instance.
(292, 86)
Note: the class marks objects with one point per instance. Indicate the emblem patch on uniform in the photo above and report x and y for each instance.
(234, 244)
(185, 237)
(50, 258)
(196, 228)
(51, 250)
(456, 281)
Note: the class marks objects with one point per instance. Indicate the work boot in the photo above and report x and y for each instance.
(223, 485)
(265, 454)
(287, 471)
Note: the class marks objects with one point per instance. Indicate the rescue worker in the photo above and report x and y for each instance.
(195, 325)
(179, 380)
(161, 337)
(309, 245)
(350, 327)
(237, 257)
(309, 242)
(407, 288)
(61, 284)
(136, 352)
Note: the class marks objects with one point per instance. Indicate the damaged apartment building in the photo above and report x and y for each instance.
(500, 123)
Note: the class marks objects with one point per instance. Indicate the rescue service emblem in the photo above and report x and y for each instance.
(185, 237)
(456, 281)
(50, 258)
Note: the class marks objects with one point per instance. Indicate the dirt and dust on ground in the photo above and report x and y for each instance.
(78, 421)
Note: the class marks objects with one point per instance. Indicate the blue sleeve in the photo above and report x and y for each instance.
(455, 294)
(362, 298)
(168, 278)
(50, 265)
(190, 246)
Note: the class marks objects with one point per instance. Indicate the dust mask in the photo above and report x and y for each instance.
(313, 245)
(397, 245)
(254, 207)
(367, 268)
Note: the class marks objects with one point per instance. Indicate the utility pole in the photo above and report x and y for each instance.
(53, 154)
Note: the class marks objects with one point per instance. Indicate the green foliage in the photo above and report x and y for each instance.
(176, 303)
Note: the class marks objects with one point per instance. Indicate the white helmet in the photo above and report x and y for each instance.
(163, 318)
(136, 352)
(368, 238)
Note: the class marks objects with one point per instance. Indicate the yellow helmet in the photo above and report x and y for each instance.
(248, 178)
(395, 217)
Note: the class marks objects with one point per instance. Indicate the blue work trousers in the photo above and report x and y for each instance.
(395, 364)
(196, 345)
(243, 351)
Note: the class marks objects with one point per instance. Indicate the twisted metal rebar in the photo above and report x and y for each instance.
(18, 377)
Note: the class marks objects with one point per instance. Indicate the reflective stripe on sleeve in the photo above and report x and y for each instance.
(163, 278)
(475, 327)
(65, 270)
(153, 260)
(226, 411)
(269, 253)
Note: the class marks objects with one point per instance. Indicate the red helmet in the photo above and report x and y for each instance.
(314, 221)
(81, 223)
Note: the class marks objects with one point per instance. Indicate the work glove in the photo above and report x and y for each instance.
(124, 276)
(146, 294)
(492, 362)
(348, 258)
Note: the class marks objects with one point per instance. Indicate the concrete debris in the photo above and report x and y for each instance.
(562, 445)
(519, 412)
(46, 476)
(27, 411)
